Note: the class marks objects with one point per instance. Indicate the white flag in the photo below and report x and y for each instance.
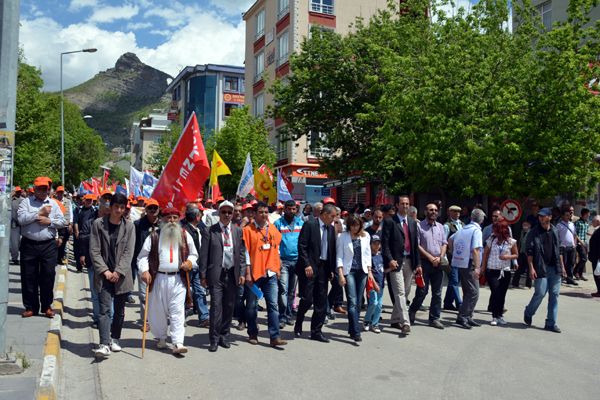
(283, 194)
(136, 177)
(247, 181)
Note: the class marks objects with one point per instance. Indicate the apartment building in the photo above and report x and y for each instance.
(210, 90)
(556, 10)
(274, 30)
(145, 136)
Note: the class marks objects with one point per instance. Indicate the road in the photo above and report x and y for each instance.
(483, 363)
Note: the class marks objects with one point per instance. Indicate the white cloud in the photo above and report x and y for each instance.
(110, 13)
(77, 5)
(233, 7)
(134, 26)
(173, 18)
(161, 32)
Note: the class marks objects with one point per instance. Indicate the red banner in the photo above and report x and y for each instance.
(186, 171)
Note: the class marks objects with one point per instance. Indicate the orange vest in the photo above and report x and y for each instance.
(61, 205)
(262, 259)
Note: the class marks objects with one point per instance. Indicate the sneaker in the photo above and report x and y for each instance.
(161, 344)
(494, 322)
(597, 294)
(114, 346)
(130, 299)
(179, 348)
(583, 278)
(528, 320)
(376, 329)
(554, 328)
(102, 351)
(366, 327)
(501, 321)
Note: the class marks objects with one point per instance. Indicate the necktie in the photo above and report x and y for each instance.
(227, 249)
(324, 243)
(406, 236)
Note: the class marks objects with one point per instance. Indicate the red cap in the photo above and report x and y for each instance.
(246, 206)
(344, 213)
(328, 200)
(17, 189)
(60, 189)
(170, 211)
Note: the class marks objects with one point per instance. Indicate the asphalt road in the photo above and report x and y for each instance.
(511, 362)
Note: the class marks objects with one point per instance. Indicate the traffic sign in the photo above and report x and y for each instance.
(511, 210)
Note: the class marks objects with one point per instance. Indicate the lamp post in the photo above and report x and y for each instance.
(62, 112)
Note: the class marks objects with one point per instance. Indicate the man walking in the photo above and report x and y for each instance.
(289, 226)
(400, 249)
(315, 266)
(581, 228)
(167, 256)
(15, 229)
(432, 247)
(222, 270)
(111, 248)
(262, 242)
(568, 240)
(39, 218)
(452, 299)
(467, 245)
(546, 266)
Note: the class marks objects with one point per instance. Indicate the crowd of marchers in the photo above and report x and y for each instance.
(219, 261)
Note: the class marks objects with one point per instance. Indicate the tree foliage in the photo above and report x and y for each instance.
(456, 102)
(37, 150)
(242, 134)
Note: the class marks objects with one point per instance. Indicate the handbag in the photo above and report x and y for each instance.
(597, 270)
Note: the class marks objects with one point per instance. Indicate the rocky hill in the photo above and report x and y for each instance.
(118, 96)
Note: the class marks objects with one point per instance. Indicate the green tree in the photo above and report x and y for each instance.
(242, 134)
(37, 150)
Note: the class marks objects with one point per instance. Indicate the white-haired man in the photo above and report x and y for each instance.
(166, 257)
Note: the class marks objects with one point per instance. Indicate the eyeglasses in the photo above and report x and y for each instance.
(152, 208)
(432, 210)
(226, 212)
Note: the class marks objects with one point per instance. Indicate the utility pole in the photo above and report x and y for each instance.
(9, 54)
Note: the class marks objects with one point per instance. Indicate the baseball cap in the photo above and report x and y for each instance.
(226, 203)
(545, 212)
(375, 238)
(151, 202)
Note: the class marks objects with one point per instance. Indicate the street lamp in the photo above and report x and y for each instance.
(62, 112)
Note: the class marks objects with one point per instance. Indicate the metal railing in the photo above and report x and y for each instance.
(321, 8)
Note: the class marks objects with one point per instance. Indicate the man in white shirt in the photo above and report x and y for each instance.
(164, 257)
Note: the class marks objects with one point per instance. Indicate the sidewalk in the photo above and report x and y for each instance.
(26, 337)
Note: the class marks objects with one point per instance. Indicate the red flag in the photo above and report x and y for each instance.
(288, 181)
(87, 187)
(96, 186)
(105, 178)
(216, 193)
(186, 171)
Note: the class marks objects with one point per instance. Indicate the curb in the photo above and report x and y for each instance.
(47, 389)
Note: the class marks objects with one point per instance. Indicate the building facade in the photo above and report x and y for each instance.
(274, 30)
(211, 91)
(145, 136)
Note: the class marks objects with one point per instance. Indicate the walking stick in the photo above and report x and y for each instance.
(189, 294)
(144, 322)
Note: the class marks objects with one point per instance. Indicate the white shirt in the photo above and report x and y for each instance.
(166, 263)
(497, 249)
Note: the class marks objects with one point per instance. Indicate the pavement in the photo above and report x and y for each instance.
(483, 363)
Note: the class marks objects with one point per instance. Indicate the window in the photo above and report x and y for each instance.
(315, 147)
(322, 6)
(176, 93)
(259, 105)
(282, 148)
(282, 48)
(230, 107)
(545, 12)
(260, 65)
(242, 85)
(260, 24)
(283, 7)
(231, 84)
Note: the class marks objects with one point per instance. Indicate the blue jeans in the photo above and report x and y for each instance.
(199, 295)
(453, 289)
(94, 296)
(374, 309)
(551, 285)
(287, 290)
(239, 310)
(355, 285)
(268, 285)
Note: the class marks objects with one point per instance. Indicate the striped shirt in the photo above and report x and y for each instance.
(581, 228)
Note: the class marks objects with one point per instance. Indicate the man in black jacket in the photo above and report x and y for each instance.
(545, 268)
(315, 266)
(594, 257)
(400, 249)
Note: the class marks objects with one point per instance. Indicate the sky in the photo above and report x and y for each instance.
(167, 35)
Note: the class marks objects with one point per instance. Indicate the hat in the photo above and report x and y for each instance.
(454, 208)
(220, 198)
(151, 202)
(17, 189)
(41, 181)
(328, 200)
(106, 192)
(89, 196)
(344, 213)
(168, 211)
(30, 190)
(246, 206)
(253, 203)
(545, 212)
(375, 238)
(59, 189)
(279, 205)
(366, 210)
(226, 203)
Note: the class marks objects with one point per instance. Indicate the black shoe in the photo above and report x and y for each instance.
(281, 324)
(213, 347)
(224, 343)
(130, 299)
(436, 324)
(527, 320)
(411, 316)
(357, 338)
(396, 325)
(330, 316)
(298, 334)
(463, 324)
(570, 281)
(554, 328)
(319, 338)
(473, 323)
(450, 308)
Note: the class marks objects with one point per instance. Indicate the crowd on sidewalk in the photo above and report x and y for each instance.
(218, 261)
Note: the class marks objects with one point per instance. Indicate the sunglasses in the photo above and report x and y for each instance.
(152, 208)
(432, 210)
(226, 212)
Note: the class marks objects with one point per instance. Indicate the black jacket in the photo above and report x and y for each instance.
(211, 254)
(392, 241)
(535, 249)
(594, 246)
(142, 231)
(309, 247)
(195, 237)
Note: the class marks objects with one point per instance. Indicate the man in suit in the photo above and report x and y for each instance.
(316, 264)
(222, 269)
(195, 227)
(400, 249)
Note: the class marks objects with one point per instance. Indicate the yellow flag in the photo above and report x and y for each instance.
(263, 185)
(217, 167)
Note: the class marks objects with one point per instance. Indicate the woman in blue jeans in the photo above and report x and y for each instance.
(353, 260)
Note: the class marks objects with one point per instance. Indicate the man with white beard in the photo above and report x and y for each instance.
(164, 261)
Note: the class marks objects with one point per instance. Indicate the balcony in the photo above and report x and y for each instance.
(283, 12)
(321, 8)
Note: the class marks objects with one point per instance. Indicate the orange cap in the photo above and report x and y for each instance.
(105, 192)
(18, 188)
(151, 202)
(60, 189)
(246, 206)
(89, 196)
(328, 200)
(42, 181)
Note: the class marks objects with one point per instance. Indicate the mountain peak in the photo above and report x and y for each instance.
(128, 61)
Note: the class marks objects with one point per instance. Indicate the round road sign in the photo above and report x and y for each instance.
(511, 210)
